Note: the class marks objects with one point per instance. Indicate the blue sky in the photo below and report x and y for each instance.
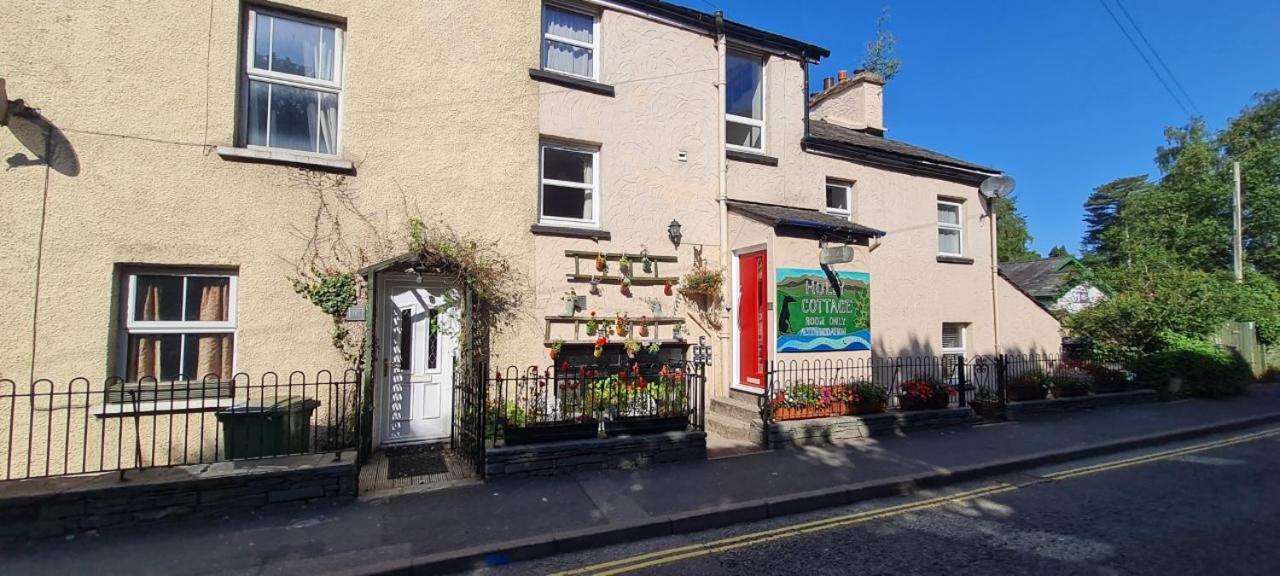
(1050, 92)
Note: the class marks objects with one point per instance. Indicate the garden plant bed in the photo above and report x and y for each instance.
(841, 428)
(645, 425)
(540, 433)
(1032, 408)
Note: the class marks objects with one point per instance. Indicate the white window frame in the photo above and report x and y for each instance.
(964, 339)
(254, 73)
(952, 356)
(764, 106)
(848, 198)
(594, 187)
(593, 46)
(132, 327)
(947, 226)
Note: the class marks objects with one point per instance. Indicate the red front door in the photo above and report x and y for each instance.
(753, 318)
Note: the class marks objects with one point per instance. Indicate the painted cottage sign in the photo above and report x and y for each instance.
(812, 318)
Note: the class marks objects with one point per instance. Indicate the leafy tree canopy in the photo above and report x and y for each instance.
(1012, 236)
(880, 57)
(1162, 249)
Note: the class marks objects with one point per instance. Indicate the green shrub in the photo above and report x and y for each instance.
(1069, 383)
(1027, 386)
(1204, 368)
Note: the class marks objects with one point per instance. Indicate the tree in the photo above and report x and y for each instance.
(880, 58)
(1162, 249)
(1059, 251)
(1012, 236)
(1101, 211)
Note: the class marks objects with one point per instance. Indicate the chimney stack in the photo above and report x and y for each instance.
(856, 103)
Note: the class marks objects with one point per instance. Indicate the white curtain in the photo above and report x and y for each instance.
(565, 57)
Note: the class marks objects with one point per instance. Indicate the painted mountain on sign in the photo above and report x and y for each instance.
(813, 318)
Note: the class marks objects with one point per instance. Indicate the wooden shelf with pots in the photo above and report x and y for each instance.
(579, 328)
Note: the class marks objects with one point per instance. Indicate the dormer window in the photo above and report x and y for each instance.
(744, 102)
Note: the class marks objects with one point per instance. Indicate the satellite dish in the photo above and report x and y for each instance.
(998, 186)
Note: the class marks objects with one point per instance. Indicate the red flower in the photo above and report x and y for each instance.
(565, 366)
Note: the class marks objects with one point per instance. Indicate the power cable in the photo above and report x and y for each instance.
(1146, 60)
(1159, 60)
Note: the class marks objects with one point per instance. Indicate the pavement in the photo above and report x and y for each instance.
(462, 527)
(1205, 507)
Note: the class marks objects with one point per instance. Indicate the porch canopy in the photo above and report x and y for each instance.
(806, 223)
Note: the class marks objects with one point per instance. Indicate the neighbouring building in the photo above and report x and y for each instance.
(1057, 283)
(173, 170)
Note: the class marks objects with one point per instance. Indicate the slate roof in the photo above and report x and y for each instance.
(827, 131)
(803, 219)
(1040, 278)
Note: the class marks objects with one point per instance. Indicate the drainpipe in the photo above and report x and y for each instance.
(995, 273)
(722, 167)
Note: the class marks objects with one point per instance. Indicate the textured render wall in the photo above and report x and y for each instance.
(911, 293)
(1025, 326)
(144, 91)
(664, 103)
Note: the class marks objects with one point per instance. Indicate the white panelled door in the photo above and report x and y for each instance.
(417, 343)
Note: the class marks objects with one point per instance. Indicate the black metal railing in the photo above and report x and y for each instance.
(557, 403)
(802, 389)
(80, 426)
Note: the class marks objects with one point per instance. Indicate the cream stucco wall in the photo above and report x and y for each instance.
(436, 119)
(433, 116)
(912, 293)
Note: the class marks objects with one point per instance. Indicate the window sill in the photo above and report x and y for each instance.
(303, 159)
(571, 82)
(751, 157)
(942, 259)
(161, 407)
(569, 232)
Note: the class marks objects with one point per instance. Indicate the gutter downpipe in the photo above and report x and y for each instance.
(995, 271)
(722, 166)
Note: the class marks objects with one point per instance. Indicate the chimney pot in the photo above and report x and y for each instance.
(844, 75)
(828, 82)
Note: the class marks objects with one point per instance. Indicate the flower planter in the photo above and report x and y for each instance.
(800, 413)
(554, 432)
(935, 403)
(988, 410)
(636, 425)
(1025, 393)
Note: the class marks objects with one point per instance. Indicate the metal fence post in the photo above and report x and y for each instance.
(1002, 376)
(962, 386)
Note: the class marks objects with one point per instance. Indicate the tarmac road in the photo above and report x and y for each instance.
(1208, 506)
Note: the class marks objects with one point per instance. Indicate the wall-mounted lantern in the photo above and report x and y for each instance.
(673, 232)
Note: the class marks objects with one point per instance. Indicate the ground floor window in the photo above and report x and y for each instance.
(953, 347)
(178, 325)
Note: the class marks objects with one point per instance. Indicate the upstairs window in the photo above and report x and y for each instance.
(744, 102)
(569, 41)
(950, 228)
(293, 83)
(839, 198)
(570, 194)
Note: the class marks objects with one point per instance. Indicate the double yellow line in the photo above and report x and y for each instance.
(681, 553)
